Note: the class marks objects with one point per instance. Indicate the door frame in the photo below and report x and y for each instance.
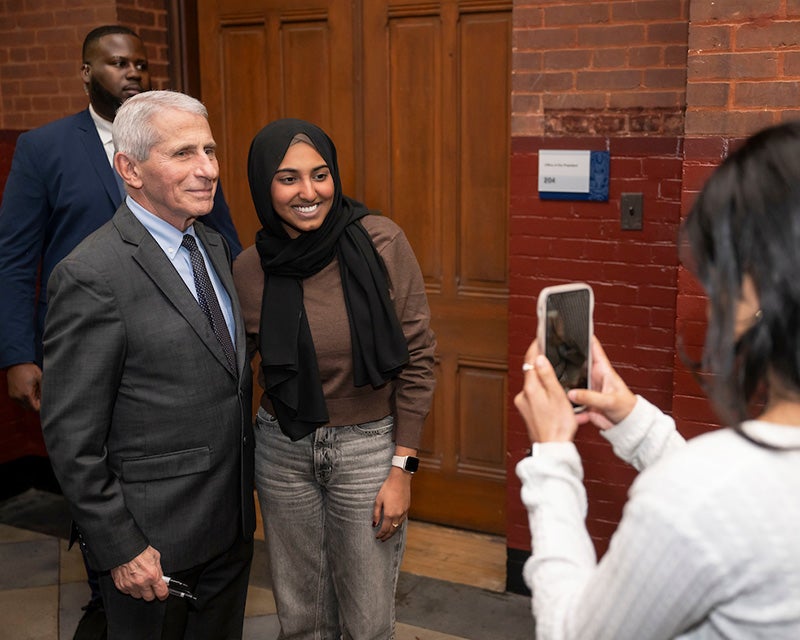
(183, 46)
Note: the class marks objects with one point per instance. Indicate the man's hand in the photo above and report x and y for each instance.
(142, 577)
(25, 385)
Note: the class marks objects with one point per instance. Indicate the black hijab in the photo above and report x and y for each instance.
(288, 357)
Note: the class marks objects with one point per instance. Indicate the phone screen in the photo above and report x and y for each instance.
(567, 335)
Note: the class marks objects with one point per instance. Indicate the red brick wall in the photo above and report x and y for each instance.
(587, 67)
(633, 274)
(743, 66)
(669, 87)
(40, 53)
(600, 76)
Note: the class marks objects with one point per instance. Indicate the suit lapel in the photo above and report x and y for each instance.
(151, 258)
(220, 258)
(87, 134)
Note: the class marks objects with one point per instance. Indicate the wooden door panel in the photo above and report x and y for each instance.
(415, 136)
(416, 96)
(481, 394)
(438, 107)
(246, 96)
(480, 389)
(271, 59)
(484, 152)
(304, 65)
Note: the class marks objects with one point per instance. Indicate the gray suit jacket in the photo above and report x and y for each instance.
(147, 429)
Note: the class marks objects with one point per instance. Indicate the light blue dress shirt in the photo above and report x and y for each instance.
(169, 239)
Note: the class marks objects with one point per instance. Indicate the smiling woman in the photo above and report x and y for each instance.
(302, 189)
(334, 301)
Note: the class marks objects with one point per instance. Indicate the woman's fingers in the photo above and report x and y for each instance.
(547, 376)
(543, 404)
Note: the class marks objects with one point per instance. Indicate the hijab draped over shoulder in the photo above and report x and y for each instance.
(288, 356)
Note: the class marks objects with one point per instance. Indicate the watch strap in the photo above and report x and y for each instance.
(406, 463)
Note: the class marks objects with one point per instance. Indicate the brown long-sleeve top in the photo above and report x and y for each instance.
(408, 398)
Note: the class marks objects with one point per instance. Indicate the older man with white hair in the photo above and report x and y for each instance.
(146, 395)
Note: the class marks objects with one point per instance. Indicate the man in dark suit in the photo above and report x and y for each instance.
(61, 187)
(146, 394)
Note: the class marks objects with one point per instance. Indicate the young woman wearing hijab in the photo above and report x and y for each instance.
(335, 304)
(708, 546)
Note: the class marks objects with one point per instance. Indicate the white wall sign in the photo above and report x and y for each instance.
(573, 175)
(564, 171)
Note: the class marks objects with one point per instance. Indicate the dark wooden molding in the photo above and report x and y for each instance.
(183, 46)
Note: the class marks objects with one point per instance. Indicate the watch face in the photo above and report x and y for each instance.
(412, 464)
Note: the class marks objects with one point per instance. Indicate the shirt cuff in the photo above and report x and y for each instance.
(548, 457)
(628, 433)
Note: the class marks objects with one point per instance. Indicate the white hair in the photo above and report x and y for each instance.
(132, 129)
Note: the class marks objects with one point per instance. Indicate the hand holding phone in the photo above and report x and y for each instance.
(564, 333)
(610, 400)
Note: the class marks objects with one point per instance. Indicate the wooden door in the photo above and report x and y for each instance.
(437, 156)
(416, 97)
(266, 59)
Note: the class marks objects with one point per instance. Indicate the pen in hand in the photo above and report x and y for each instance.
(179, 589)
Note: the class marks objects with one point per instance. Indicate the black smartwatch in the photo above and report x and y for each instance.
(406, 463)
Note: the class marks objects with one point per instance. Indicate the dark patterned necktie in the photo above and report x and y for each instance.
(208, 299)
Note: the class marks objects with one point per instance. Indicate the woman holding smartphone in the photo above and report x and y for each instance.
(708, 544)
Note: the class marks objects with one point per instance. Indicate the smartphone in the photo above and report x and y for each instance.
(564, 332)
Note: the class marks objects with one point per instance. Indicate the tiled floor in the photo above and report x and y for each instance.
(42, 588)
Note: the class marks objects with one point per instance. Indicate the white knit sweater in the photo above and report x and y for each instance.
(708, 546)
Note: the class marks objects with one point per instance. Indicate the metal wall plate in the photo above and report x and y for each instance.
(630, 205)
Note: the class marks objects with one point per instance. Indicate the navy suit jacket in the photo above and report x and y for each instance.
(60, 189)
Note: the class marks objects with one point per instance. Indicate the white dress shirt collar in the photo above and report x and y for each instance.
(103, 127)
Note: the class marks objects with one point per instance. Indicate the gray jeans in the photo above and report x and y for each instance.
(331, 577)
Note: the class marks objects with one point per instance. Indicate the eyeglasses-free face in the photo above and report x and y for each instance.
(302, 189)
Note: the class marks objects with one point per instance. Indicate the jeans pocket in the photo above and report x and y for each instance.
(380, 427)
(266, 420)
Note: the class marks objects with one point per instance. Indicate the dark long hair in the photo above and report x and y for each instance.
(746, 221)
